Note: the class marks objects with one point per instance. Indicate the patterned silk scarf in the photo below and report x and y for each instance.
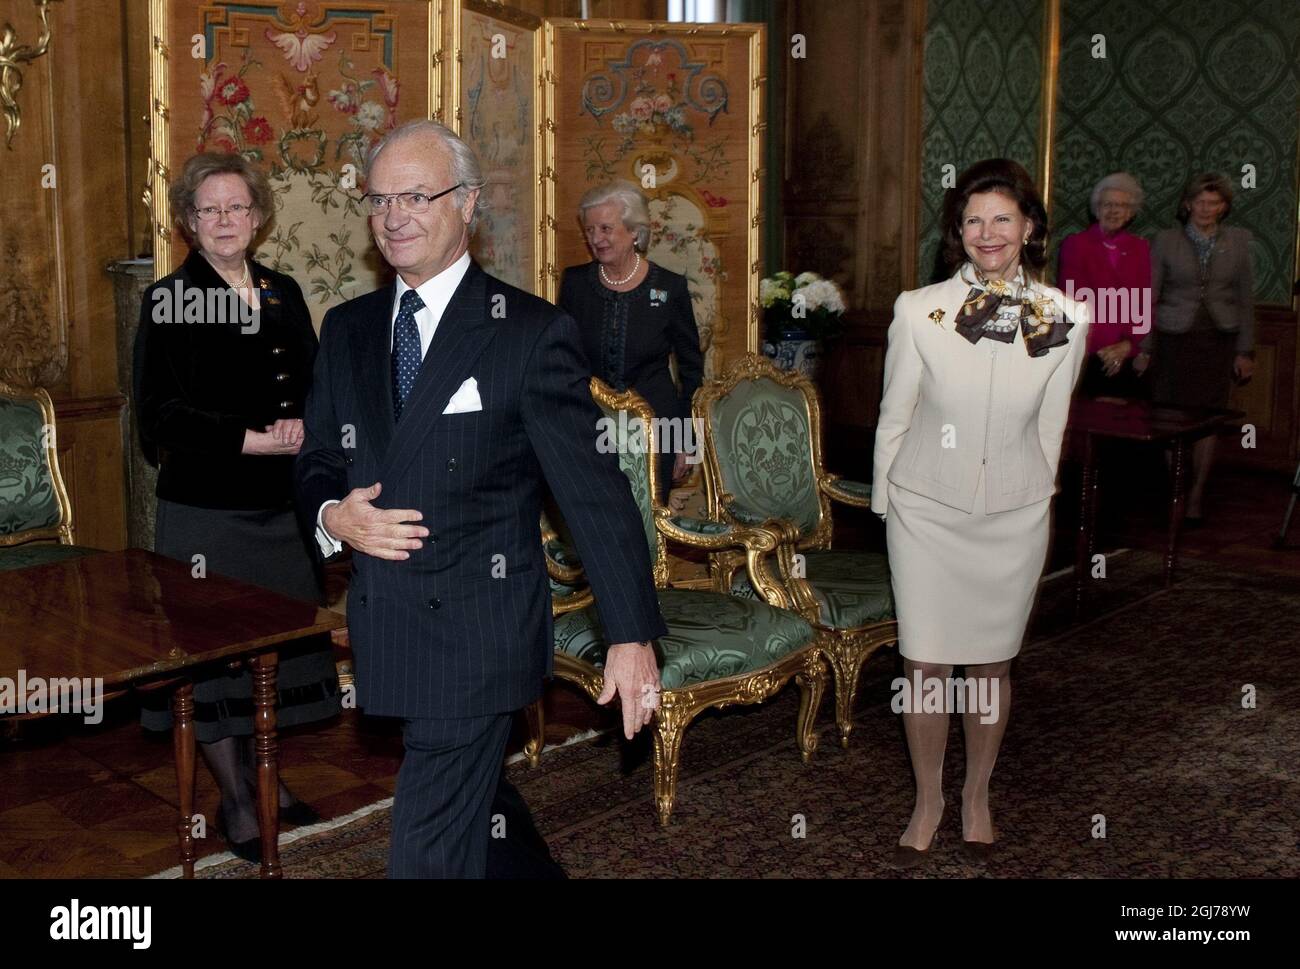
(996, 310)
(1203, 244)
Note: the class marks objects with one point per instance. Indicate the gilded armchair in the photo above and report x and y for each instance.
(763, 466)
(35, 513)
(720, 649)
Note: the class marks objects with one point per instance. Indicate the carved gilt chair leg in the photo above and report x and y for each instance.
(842, 650)
(536, 733)
(812, 683)
(669, 725)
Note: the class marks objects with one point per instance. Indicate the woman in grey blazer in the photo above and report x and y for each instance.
(1204, 334)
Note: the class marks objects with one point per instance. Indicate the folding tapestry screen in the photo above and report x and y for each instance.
(495, 89)
(676, 109)
(552, 108)
(303, 89)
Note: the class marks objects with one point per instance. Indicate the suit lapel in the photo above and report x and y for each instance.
(372, 366)
(462, 334)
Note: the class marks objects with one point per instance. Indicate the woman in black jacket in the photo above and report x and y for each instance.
(633, 314)
(224, 356)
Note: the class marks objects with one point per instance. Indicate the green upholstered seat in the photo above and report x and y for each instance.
(764, 430)
(852, 588)
(35, 553)
(719, 649)
(710, 636)
(29, 499)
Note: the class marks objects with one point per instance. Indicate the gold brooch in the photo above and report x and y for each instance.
(937, 317)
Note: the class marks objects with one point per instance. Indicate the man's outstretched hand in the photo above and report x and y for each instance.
(632, 675)
(381, 532)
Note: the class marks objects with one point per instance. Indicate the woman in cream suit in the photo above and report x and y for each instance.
(978, 378)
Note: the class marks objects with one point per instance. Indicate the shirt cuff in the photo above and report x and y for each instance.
(329, 545)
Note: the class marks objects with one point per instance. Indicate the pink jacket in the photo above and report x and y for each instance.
(1119, 294)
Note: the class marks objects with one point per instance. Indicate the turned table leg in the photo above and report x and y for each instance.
(183, 745)
(268, 786)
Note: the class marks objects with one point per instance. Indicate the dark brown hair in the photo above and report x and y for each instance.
(1205, 182)
(206, 164)
(995, 175)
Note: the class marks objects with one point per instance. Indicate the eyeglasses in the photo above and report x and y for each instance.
(411, 202)
(210, 213)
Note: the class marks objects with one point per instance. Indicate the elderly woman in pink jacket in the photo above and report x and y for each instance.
(978, 378)
(1110, 268)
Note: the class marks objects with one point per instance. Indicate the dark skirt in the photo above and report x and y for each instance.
(265, 548)
(1194, 369)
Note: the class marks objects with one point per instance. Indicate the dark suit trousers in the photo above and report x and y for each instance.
(442, 805)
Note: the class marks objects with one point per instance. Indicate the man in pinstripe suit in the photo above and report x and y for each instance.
(442, 406)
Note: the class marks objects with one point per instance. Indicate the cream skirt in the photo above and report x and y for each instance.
(964, 584)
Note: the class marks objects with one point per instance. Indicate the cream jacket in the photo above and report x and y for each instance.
(952, 408)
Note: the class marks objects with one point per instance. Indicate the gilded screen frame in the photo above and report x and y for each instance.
(519, 19)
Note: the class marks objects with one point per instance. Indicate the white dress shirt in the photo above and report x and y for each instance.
(435, 293)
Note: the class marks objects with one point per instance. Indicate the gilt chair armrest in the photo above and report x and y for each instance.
(854, 493)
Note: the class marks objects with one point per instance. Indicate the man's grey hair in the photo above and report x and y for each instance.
(1120, 181)
(465, 168)
(636, 211)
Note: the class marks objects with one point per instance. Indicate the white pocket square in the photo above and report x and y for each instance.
(465, 400)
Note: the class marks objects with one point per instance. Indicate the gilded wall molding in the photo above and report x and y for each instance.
(1047, 118)
(13, 57)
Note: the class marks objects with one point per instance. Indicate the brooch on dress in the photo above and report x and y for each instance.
(937, 317)
(268, 293)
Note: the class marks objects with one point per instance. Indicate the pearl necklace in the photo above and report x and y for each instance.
(620, 282)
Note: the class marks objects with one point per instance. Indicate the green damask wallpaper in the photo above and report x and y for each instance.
(983, 71)
(1186, 86)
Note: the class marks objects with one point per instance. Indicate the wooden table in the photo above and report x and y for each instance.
(132, 617)
(1133, 420)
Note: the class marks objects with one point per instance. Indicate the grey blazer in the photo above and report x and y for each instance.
(1177, 289)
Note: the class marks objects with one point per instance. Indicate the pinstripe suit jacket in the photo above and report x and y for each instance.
(463, 627)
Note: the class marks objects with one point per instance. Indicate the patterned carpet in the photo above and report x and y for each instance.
(1135, 715)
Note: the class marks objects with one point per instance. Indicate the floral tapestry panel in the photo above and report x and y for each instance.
(670, 111)
(498, 112)
(304, 89)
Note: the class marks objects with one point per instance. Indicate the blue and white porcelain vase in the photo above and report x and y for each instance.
(793, 350)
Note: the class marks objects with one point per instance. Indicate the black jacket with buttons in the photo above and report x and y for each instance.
(203, 376)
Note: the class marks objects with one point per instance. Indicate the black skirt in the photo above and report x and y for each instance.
(1194, 369)
(265, 548)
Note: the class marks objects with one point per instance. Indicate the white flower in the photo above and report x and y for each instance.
(803, 279)
(771, 290)
(824, 294)
(370, 115)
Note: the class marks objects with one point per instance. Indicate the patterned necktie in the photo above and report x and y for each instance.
(406, 350)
